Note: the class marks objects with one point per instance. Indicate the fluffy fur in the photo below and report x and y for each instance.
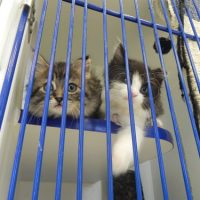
(124, 186)
(122, 152)
(92, 89)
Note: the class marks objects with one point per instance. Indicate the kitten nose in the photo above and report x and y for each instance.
(59, 99)
(134, 94)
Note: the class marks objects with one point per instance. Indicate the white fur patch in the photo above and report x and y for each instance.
(122, 151)
(119, 100)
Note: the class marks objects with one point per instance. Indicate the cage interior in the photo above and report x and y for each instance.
(95, 167)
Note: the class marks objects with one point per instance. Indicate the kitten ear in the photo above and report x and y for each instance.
(88, 63)
(78, 65)
(119, 54)
(42, 62)
(42, 66)
(158, 74)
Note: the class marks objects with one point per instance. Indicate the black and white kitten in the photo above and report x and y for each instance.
(124, 186)
(92, 89)
(122, 153)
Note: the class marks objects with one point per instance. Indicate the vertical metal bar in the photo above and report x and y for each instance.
(82, 102)
(64, 107)
(172, 111)
(107, 100)
(153, 113)
(17, 158)
(36, 182)
(12, 62)
(189, 107)
(192, 25)
(196, 7)
(186, 45)
(130, 102)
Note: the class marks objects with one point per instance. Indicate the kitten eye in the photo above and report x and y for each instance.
(72, 87)
(45, 88)
(144, 89)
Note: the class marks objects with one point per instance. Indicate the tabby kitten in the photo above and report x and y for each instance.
(122, 153)
(92, 89)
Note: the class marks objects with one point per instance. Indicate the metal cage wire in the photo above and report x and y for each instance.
(123, 17)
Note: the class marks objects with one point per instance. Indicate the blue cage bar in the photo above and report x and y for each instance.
(107, 99)
(64, 111)
(133, 132)
(82, 103)
(38, 166)
(17, 158)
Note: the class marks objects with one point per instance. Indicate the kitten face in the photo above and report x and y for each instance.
(92, 89)
(139, 85)
(119, 90)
